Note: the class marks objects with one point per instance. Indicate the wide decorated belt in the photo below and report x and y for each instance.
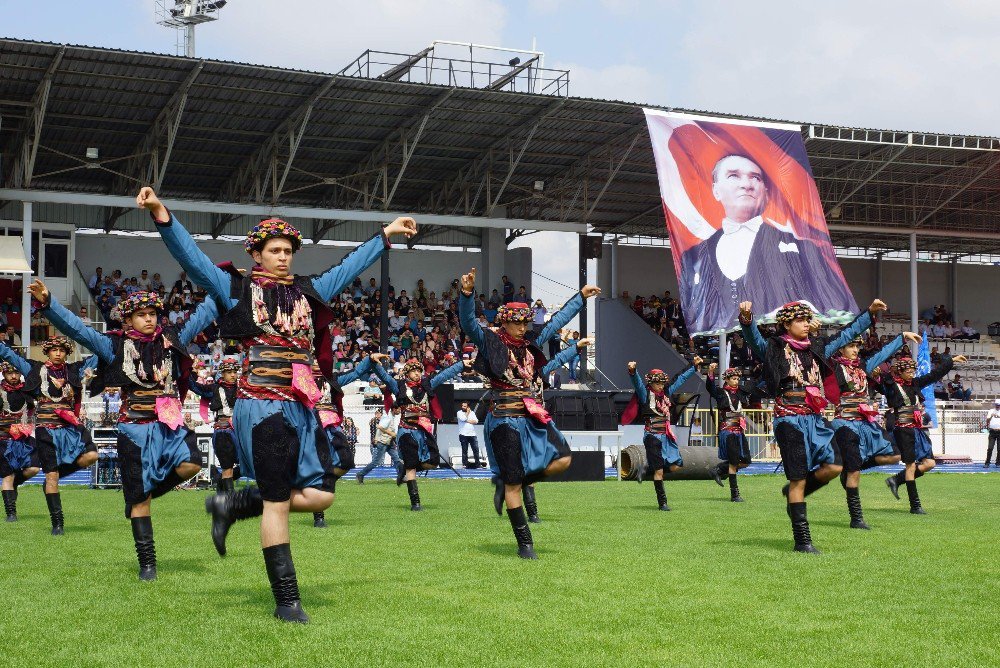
(140, 405)
(56, 413)
(856, 408)
(223, 423)
(910, 417)
(734, 422)
(271, 366)
(510, 403)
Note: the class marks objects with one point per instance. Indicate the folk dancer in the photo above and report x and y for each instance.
(794, 363)
(522, 442)
(652, 403)
(282, 321)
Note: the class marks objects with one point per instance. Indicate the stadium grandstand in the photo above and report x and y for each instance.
(482, 153)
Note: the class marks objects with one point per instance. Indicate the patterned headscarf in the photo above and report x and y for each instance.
(7, 367)
(412, 364)
(57, 342)
(903, 364)
(857, 340)
(272, 228)
(731, 373)
(657, 376)
(515, 312)
(792, 311)
(228, 365)
(139, 300)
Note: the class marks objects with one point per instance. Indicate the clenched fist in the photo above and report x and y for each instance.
(469, 282)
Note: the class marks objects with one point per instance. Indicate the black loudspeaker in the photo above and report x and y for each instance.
(587, 465)
(446, 399)
(591, 247)
(601, 413)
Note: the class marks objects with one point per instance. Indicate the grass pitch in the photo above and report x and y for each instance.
(618, 583)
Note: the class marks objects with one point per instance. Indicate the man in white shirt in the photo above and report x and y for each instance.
(467, 422)
(938, 330)
(385, 434)
(968, 332)
(993, 425)
(95, 280)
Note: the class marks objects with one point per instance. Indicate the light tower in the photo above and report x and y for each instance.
(184, 15)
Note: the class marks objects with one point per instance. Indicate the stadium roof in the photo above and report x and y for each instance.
(213, 131)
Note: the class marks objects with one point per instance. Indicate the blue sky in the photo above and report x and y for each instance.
(905, 65)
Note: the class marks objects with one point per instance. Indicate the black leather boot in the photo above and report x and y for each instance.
(800, 528)
(854, 507)
(525, 546)
(319, 520)
(411, 487)
(530, 505)
(498, 494)
(911, 491)
(734, 489)
(145, 549)
(226, 509)
(225, 486)
(10, 504)
(284, 585)
(718, 472)
(400, 475)
(894, 481)
(54, 502)
(661, 495)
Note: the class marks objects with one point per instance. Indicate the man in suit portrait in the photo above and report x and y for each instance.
(750, 257)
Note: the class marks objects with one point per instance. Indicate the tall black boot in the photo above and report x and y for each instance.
(800, 528)
(911, 491)
(734, 489)
(10, 504)
(54, 502)
(145, 549)
(894, 481)
(411, 487)
(319, 520)
(225, 486)
(525, 546)
(528, 493)
(719, 472)
(812, 484)
(227, 509)
(284, 585)
(498, 494)
(661, 495)
(854, 507)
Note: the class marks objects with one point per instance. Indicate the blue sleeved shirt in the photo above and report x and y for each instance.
(8, 355)
(564, 356)
(363, 368)
(643, 394)
(753, 337)
(448, 373)
(561, 318)
(217, 282)
(467, 319)
(384, 376)
(887, 351)
(848, 333)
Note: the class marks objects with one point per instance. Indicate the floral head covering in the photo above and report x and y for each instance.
(272, 228)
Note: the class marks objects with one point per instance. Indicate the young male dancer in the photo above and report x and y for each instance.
(734, 450)
(859, 438)
(63, 445)
(282, 320)
(522, 441)
(416, 397)
(652, 403)
(18, 456)
(151, 366)
(902, 390)
(794, 363)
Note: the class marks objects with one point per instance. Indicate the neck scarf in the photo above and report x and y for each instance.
(7, 387)
(144, 338)
(797, 344)
(510, 341)
(267, 279)
(840, 359)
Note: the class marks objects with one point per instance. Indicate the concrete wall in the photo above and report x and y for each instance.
(648, 270)
(436, 267)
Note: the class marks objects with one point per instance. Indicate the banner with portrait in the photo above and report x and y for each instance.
(745, 220)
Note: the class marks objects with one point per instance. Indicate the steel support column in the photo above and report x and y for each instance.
(25, 297)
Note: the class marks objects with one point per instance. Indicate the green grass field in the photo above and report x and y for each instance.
(618, 583)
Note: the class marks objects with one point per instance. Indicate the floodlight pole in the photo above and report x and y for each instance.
(189, 40)
(25, 297)
(914, 307)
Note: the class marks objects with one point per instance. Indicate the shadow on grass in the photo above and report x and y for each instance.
(775, 543)
(182, 564)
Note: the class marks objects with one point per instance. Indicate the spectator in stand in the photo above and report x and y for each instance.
(373, 393)
(935, 355)
(155, 284)
(522, 295)
(94, 282)
(938, 330)
(176, 315)
(9, 307)
(992, 424)
(638, 305)
(467, 422)
(508, 290)
(372, 287)
(13, 338)
(967, 332)
(571, 342)
(940, 391)
(626, 297)
(958, 391)
(421, 291)
(740, 356)
(182, 284)
(144, 280)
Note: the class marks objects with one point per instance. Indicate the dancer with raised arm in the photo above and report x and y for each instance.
(330, 415)
(282, 321)
(902, 391)
(731, 399)
(151, 366)
(652, 403)
(63, 445)
(795, 360)
(860, 440)
(18, 456)
(416, 396)
(522, 441)
(221, 396)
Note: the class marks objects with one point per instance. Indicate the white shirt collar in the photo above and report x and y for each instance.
(752, 225)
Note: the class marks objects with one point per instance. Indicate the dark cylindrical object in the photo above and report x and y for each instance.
(699, 460)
